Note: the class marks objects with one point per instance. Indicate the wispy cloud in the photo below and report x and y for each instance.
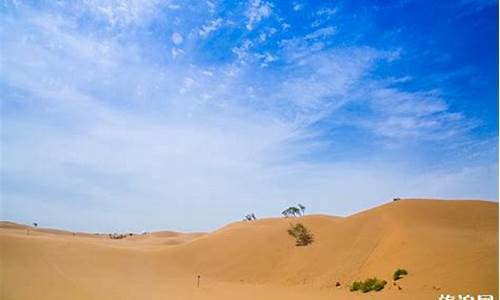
(321, 33)
(327, 11)
(417, 114)
(257, 11)
(213, 25)
(121, 13)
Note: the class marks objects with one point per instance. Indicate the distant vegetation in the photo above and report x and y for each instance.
(294, 211)
(399, 273)
(119, 236)
(35, 224)
(302, 235)
(370, 284)
(291, 211)
(250, 217)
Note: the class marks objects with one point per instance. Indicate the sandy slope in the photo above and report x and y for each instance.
(447, 246)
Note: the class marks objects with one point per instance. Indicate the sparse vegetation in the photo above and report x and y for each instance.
(250, 217)
(355, 286)
(399, 273)
(302, 235)
(35, 224)
(119, 236)
(370, 284)
(294, 211)
(291, 211)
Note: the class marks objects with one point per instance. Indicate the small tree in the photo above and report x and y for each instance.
(302, 208)
(291, 211)
(35, 224)
(250, 217)
(302, 235)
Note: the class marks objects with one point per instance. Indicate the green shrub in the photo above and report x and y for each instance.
(355, 286)
(399, 273)
(301, 234)
(370, 284)
(373, 284)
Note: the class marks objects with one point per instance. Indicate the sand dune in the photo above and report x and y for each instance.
(447, 247)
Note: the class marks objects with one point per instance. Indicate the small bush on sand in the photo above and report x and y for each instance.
(399, 273)
(302, 235)
(355, 286)
(370, 284)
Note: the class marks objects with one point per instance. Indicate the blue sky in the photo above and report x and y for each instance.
(186, 115)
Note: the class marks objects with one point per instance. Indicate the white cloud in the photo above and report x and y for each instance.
(419, 104)
(110, 159)
(177, 38)
(324, 80)
(316, 23)
(121, 13)
(297, 6)
(321, 33)
(414, 114)
(174, 6)
(242, 52)
(265, 34)
(176, 52)
(257, 11)
(266, 58)
(213, 25)
(211, 6)
(327, 12)
(262, 37)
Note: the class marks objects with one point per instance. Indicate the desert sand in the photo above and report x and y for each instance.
(448, 247)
